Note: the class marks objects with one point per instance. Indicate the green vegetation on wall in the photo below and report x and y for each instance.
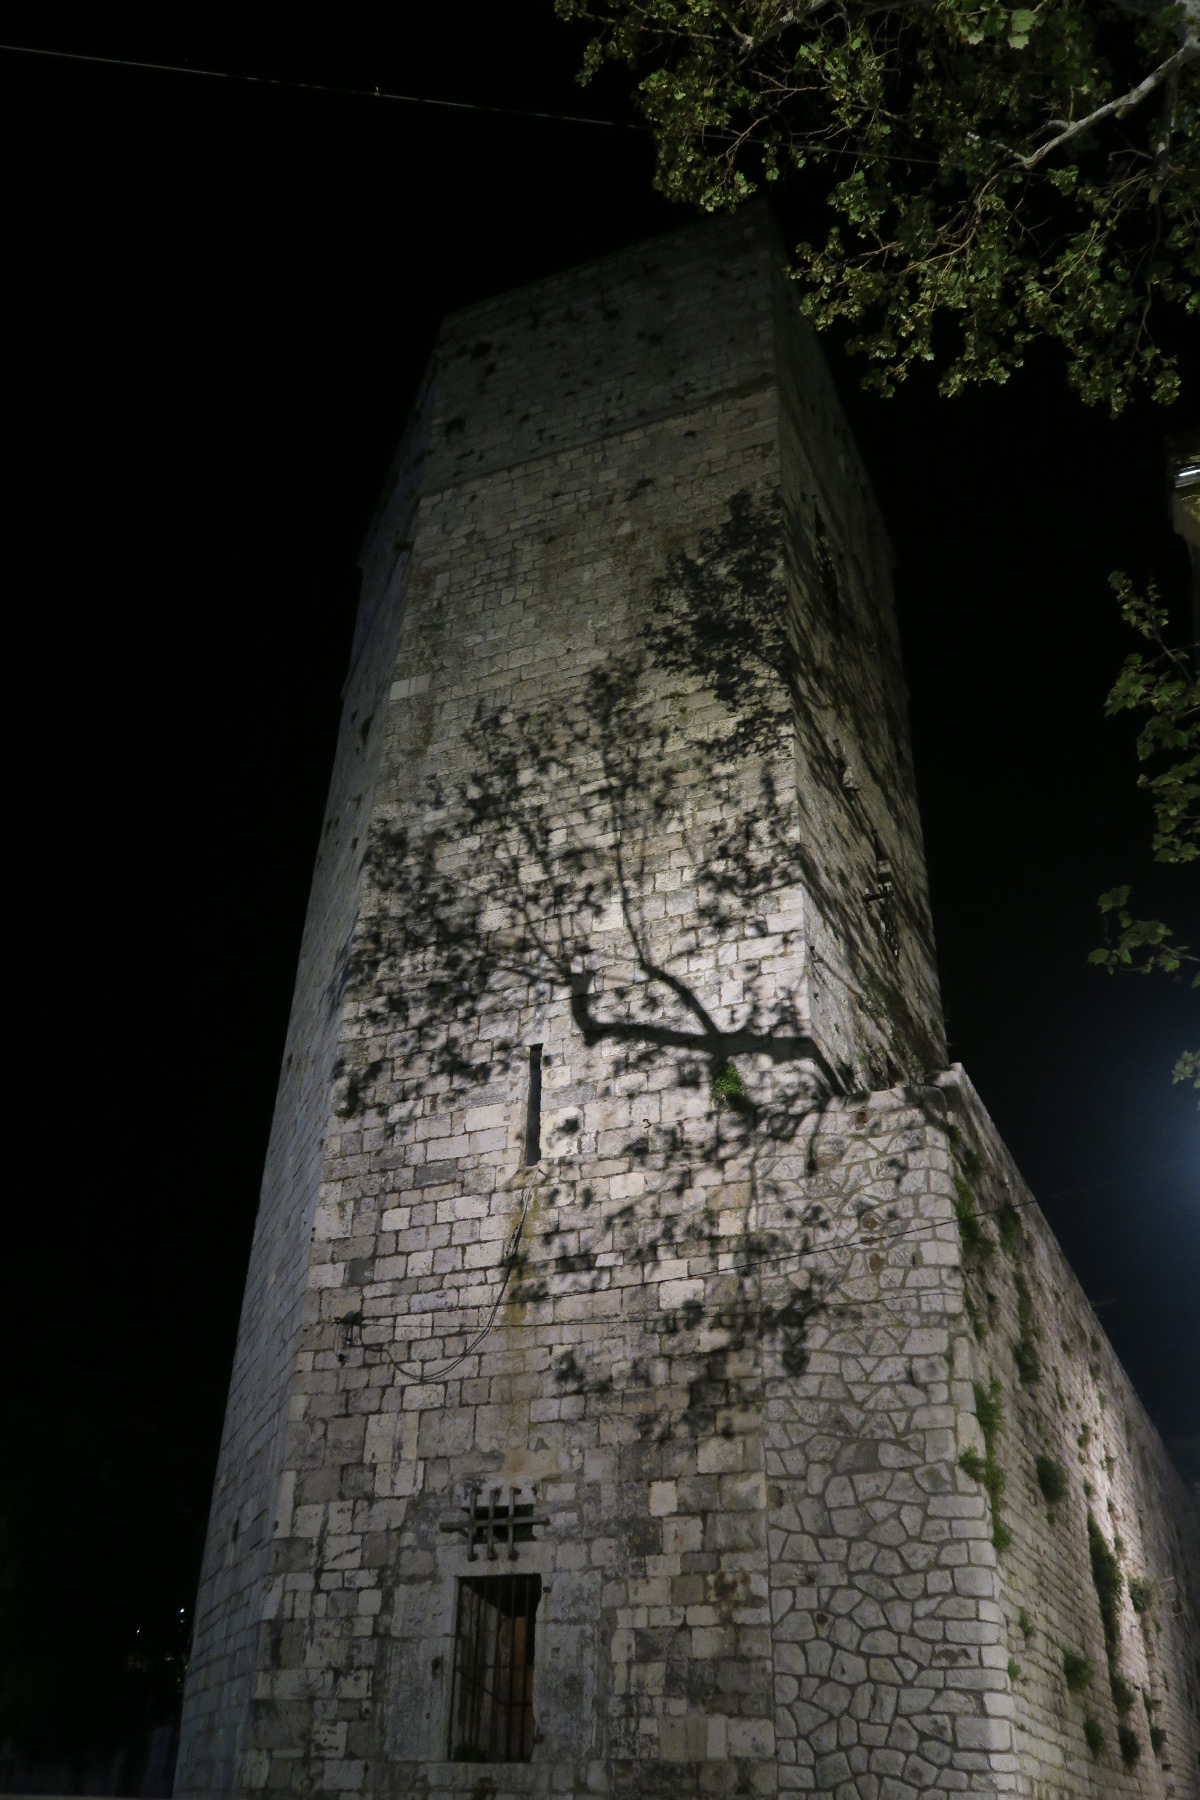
(1025, 1350)
(727, 1084)
(1106, 1576)
(1052, 1479)
(1123, 1695)
(975, 1316)
(978, 1247)
(1077, 1669)
(989, 1410)
(979, 1250)
(1130, 1742)
(1008, 1224)
(1141, 1594)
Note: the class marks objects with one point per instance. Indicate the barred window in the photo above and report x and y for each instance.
(491, 1705)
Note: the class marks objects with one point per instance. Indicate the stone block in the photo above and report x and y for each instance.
(974, 1733)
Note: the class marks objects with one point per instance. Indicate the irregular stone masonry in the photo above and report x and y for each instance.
(625, 776)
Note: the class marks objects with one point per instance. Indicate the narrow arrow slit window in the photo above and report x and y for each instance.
(533, 1108)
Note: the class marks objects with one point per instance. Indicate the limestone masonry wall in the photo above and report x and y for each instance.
(744, 1304)
(855, 786)
(228, 1604)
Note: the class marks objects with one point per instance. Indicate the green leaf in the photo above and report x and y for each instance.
(950, 244)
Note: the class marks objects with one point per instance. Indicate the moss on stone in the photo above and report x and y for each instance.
(1123, 1695)
(989, 1407)
(1106, 1577)
(1141, 1594)
(1131, 1744)
(1077, 1669)
(1052, 1479)
(1008, 1225)
(978, 1247)
(1025, 1350)
(989, 1410)
(727, 1084)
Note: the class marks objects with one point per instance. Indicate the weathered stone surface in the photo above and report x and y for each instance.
(728, 1337)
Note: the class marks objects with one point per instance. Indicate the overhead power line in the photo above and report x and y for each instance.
(317, 87)
(812, 151)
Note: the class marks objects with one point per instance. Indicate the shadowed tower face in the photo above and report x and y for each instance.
(609, 1215)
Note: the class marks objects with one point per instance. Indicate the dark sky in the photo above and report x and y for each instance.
(217, 299)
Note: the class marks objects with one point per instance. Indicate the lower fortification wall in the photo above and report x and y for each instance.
(1100, 1565)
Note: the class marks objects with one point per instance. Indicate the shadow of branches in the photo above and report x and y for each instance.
(629, 843)
(623, 853)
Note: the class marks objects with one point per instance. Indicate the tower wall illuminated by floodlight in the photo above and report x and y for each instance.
(654, 1376)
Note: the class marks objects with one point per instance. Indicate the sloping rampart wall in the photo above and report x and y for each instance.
(1074, 1445)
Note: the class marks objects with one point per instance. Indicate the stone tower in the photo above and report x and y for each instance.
(654, 1376)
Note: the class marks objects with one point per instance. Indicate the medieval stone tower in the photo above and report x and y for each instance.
(654, 1377)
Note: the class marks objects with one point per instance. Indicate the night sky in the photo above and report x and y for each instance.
(217, 302)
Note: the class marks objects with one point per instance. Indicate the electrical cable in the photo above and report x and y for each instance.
(317, 87)
(352, 1322)
(377, 93)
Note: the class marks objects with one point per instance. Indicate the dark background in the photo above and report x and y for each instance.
(217, 299)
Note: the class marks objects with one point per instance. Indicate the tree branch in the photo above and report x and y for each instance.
(1162, 148)
(1187, 52)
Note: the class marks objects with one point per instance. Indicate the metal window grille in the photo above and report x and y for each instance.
(491, 1523)
(491, 1704)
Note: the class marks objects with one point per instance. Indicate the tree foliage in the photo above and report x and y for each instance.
(993, 172)
(1163, 688)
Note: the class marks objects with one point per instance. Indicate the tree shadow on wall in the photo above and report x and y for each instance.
(628, 851)
(632, 844)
